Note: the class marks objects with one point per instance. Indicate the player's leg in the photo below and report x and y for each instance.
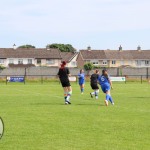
(69, 88)
(94, 87)
(109, 98)
(92, 93)
(96, 93)
(65, 94)
(105, 91)
(82, 88)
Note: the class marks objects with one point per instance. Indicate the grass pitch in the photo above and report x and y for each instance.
(36, 118)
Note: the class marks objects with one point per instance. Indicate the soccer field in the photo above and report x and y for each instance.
(36, 118)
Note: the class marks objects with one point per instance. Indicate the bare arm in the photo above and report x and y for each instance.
(110, 82)
(69, 75)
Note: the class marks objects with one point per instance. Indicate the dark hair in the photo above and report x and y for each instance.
(81, 70)
(63, 64)
(96, 70)
(104, 70)
(103, 73)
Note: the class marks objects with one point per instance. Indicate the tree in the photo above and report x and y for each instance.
(88, 67)
(62, 47)
(26, 46)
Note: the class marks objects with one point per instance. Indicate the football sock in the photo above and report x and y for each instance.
(96, 93)
(65, 95)
(93, 93)
(107, 97)
(82, 90)
(69, 95)
(110, 99)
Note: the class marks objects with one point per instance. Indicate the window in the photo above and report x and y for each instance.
(104, 62)
(130, 62)
(146, 62)
(11, 61)
(50, 61)
(87, 61)
(20, 61)
(113, 62)
(138, 62)
(95, 63)
(38, 61)
(1, 61)
(29, 61)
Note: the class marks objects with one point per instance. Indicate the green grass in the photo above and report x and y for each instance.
(36, 118)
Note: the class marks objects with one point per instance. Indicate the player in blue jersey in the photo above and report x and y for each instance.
(94, 84)
(106, 84)
(81, 77)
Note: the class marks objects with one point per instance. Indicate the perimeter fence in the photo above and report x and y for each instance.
(45, 75)
(51, 79)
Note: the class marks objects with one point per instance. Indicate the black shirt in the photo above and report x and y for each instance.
(63, 73)
(94, 78)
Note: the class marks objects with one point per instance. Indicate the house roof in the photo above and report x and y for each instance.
(93, 54)
(30, 53)
(115, 54)
(68, 56)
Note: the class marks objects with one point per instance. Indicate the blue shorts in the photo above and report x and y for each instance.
(80, 83)
(105, 87)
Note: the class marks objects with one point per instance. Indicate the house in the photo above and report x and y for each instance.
(30, 57)
(70, 58)
(115, 58)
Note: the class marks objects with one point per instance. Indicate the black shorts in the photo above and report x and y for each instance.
(65, 83)
(94, 86)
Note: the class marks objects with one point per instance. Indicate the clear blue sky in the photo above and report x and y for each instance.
(102, 24)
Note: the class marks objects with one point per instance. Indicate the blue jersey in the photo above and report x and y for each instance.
(81, 77)
(104, 82)
(103, 79)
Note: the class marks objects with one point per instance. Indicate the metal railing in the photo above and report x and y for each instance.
(50, 78)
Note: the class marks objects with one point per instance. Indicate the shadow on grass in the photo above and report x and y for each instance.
(140, 97)
(61, 104)
(87, 104)
(44, 104)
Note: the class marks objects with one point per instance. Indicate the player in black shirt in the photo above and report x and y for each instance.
(94, 84)
(64, 74)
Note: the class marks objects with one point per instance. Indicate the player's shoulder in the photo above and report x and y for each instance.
(100, 76)
(66, 68)
(92, 74)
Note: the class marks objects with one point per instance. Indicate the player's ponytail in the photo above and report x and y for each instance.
(104, 73)
(63, 64)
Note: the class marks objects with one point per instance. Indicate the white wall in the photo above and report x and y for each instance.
(34, 61)
(73, 62)
(56, 63)
(25, 61)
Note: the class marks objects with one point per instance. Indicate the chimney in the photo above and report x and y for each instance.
(120, 48)
(89, 48)
(139, 48)
(14, 46)
(47, 47)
